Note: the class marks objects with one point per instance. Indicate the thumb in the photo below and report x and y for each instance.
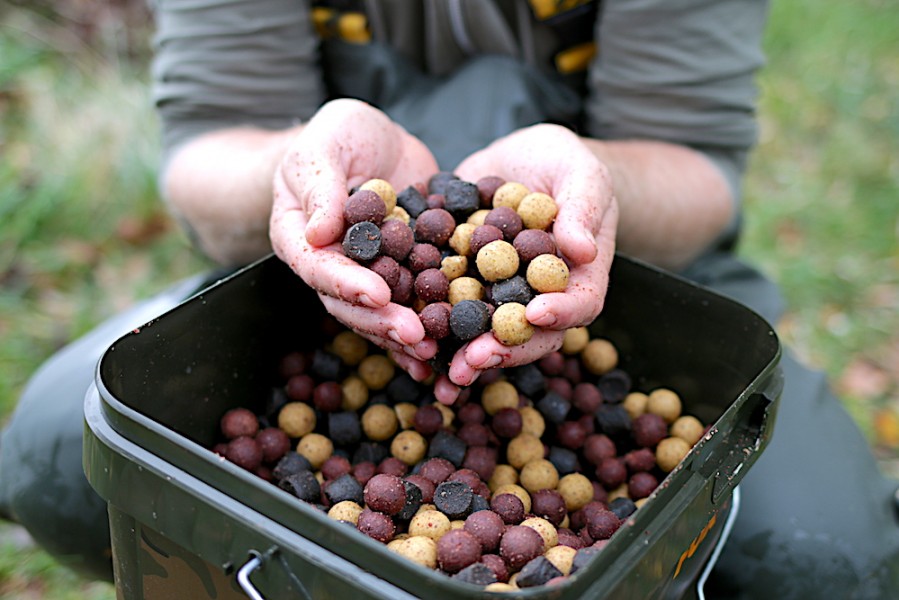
(324, 200)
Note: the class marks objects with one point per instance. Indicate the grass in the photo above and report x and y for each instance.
(83, 234)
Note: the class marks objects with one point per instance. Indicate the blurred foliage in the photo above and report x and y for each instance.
(822, 196)
(84, 232)
(27, 573)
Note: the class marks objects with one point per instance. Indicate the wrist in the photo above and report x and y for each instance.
(220, 185)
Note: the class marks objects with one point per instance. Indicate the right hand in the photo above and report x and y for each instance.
(346, 143)
(550, 159)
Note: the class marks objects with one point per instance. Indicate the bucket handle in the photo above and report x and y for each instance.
(725, 535)
(243, 576)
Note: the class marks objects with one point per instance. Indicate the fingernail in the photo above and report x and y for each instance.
(392, 334)
(417, 375)
(547, 319)
(411, 352)
(491, 362)
(312, 227)
(423, 348)
(367, 301)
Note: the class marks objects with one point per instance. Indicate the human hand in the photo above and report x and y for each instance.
(553, 160)
(346, 143)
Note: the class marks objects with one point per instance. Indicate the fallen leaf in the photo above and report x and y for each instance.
(141, 231)
(886, 428)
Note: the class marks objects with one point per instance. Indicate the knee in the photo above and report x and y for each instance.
(42, 481)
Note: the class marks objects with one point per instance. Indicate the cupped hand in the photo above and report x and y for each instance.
(553, 160)
(346, 143)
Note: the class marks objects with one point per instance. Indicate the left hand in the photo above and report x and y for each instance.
(344, 144)
(553, 160)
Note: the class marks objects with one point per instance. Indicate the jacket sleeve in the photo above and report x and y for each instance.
(681, 71)
(225, 63)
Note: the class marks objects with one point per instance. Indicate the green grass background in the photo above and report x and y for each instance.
(83, 234)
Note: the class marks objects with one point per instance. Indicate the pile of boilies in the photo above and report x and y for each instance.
(518, 484)
(468, 257)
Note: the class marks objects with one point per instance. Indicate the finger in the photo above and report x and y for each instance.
(485, 352)
(579, 304)
(573, 229)
(391, 322)
(461, 373)
(312, 181)
(583, 196)
(393, 347)
(382, 343)
(445, 391)
(341, 278)
(325, 207)
(585, 294)
(417, 369)
(403, 356)
(326, 193)
(325, 269)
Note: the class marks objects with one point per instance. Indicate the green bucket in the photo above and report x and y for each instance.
(186, 523)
